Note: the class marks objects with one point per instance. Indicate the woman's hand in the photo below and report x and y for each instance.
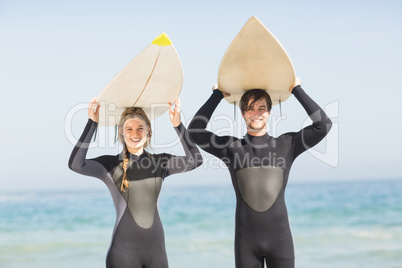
(93, 110)
(215, 87)
(174, 113)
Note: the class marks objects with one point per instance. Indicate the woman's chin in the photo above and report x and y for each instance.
(135, 147)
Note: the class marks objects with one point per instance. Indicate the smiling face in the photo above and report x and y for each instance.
(256, 116)
(135, 133)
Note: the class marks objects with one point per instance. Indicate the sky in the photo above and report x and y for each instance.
(57, 55)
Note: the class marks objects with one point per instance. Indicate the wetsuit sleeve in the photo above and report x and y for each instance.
(78, 161)
(192, 159)
(206, 140)
(313, 134)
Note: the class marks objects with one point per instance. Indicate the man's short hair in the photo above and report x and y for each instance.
(254, 95)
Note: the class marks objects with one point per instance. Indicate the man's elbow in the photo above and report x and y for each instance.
(328, 124)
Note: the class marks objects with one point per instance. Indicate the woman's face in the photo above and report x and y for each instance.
(135, 133)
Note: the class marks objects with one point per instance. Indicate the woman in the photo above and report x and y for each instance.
(134, 179)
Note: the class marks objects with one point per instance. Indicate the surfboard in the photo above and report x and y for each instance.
(151, 80)
(256, 59)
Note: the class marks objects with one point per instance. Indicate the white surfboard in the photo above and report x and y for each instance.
(150, 81)
(256, 59)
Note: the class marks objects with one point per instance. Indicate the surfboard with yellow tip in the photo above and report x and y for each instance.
(151, 80)
(256, 59)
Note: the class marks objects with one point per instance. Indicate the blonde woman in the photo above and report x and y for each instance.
(134, 178)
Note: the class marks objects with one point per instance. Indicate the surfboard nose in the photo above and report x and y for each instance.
(162, 40)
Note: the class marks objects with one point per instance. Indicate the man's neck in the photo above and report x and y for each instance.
(256, 132)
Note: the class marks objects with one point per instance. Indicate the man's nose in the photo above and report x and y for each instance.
(256, 112)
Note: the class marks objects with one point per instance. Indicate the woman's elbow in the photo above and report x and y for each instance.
(74, 166)
(70, 164)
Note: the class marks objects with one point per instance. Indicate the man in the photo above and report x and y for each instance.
(259, 166)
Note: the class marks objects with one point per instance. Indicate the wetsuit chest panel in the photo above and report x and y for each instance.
(260, 186)
(142, 198)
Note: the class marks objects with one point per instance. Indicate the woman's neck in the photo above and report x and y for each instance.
(136, 151)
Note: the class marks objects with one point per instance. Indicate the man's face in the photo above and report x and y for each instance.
(256, 116)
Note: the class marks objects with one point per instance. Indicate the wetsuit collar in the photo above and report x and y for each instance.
(257, 140)
(136, 157)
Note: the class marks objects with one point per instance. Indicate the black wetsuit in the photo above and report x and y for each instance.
(138, 238)
(259, 168)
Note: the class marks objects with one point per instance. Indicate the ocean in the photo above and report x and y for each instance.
(334, 224)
